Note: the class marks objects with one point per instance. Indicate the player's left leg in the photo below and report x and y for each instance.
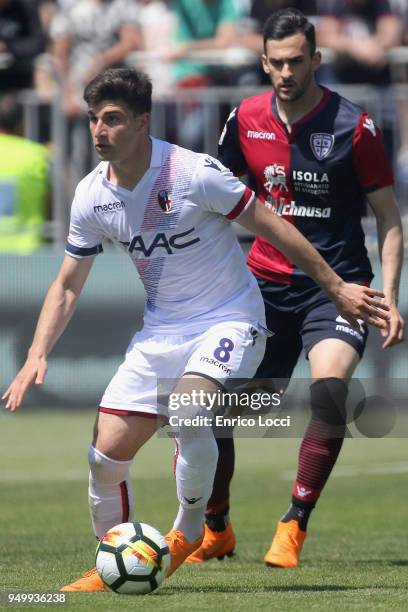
(194, 465)
(238, 351)
(332, 363)
(226, 351)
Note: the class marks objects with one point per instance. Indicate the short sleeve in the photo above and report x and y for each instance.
(84, 238)
(215, 189)
(60, 26)
(229, 148)
(370, 161)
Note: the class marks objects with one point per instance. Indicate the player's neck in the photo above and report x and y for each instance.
(292, 111)
(129, 172)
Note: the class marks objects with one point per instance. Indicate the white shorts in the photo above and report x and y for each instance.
(226, 350)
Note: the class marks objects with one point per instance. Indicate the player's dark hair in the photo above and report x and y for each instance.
(288, 22)
(127, 85)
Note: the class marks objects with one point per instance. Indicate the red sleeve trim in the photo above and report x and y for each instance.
(370, 161)
(242, 205)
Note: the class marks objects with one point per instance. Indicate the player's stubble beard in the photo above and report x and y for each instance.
(298, 90)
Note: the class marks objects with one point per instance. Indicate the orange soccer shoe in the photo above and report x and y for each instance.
(216, 544)
(89, 581)
(286, 545)
(180, 548)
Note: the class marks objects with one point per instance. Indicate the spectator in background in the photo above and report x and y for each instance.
(88, 36)
(158, 24)
(24, 184)
(360, 32)
(44, 74)
(22, 39)
(262, 9)
(401, 6)
(202, 25)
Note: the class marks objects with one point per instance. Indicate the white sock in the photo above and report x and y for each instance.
(195, 470)
(110, 492)
(190, 522)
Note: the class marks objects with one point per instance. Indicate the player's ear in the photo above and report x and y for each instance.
(143, 121)
(265, 64)
(316, 60)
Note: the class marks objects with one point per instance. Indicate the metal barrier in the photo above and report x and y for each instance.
(191, 117)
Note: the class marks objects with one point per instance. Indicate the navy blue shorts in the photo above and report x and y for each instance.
(300, 319)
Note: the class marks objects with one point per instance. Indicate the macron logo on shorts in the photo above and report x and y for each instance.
(348, 329)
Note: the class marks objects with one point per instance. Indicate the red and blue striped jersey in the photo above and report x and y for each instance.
(316, 177)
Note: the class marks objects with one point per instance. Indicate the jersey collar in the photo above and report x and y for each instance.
(156, 160)
(306, 118)
(157, 157)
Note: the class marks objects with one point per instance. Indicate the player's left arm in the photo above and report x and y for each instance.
(391, 251)
(375, 177)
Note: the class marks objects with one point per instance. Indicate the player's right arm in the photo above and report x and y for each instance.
(353, 301)
(58, 308)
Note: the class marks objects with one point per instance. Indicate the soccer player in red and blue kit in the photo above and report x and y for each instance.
(316, 158)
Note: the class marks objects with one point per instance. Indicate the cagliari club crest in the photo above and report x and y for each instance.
(164, 201)
(321, 145)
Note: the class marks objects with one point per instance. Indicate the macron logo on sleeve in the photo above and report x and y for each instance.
(210, 163)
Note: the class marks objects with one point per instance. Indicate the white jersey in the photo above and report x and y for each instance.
(175, 227)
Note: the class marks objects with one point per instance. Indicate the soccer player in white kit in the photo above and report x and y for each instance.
(170, 210)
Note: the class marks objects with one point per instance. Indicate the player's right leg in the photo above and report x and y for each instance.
(117, 439)
(127, 419)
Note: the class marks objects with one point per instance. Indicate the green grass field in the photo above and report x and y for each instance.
(356, 557)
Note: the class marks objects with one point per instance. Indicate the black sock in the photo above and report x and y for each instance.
(299, 513)
(217, 521)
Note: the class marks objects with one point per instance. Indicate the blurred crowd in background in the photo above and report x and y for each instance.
(54, 47)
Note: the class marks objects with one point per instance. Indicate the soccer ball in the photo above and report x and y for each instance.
(132, 558)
